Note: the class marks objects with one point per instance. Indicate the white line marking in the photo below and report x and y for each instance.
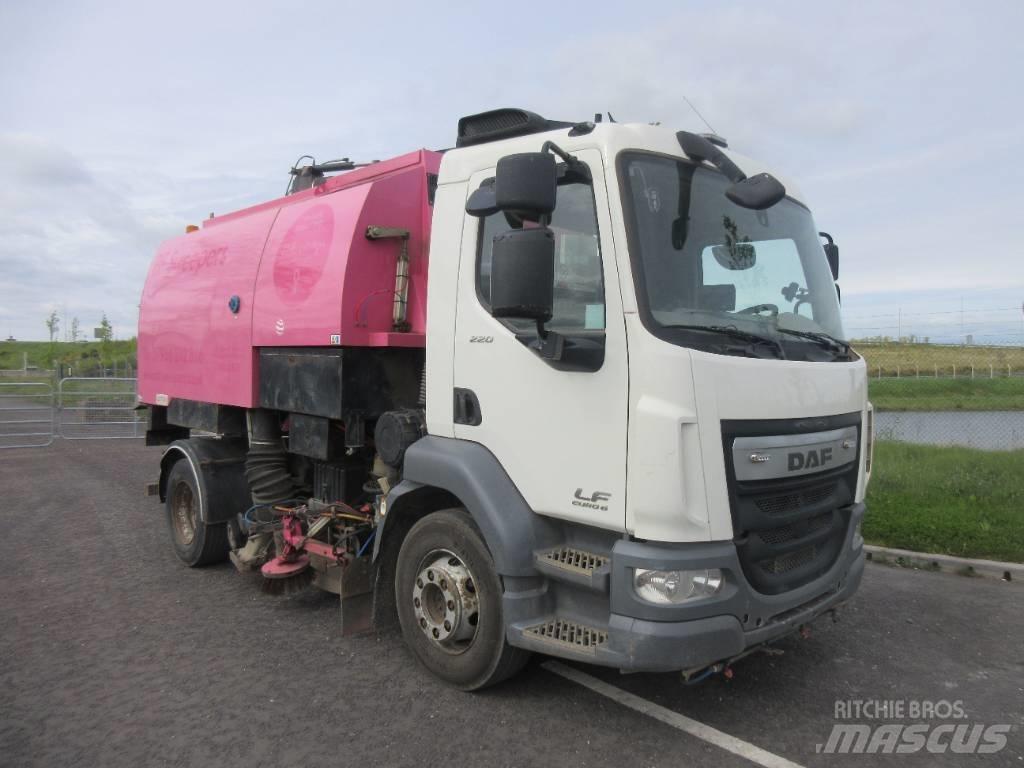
(667, 716)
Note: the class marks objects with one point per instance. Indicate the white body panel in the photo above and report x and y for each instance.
(646, 427)
(558, 434)
(442, 283)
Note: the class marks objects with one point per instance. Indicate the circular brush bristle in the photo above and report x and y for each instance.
(288, 585)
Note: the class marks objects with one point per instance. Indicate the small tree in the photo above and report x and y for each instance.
(74, 329)
(105, 333)
(106, 330)
(53, 325)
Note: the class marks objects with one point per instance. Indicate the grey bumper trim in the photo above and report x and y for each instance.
(658, 638)
(737, 597)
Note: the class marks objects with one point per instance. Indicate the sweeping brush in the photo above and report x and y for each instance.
(283, 577)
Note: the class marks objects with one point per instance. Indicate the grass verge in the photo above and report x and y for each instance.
(913, 394)
(954, 501)
(84, 358)
(940, 360)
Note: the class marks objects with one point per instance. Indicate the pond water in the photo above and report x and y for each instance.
(988, 430)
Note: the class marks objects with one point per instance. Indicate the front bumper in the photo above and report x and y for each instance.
(660, 638)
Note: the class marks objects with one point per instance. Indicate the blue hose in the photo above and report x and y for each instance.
(366, 543)
(701, 677)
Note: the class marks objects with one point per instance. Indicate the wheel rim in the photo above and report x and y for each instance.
(183, 514)
(445, 602)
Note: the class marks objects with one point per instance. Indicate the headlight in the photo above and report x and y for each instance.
(669, 587)
(858, 537)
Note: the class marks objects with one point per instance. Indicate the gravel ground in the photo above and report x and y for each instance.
(113, 654)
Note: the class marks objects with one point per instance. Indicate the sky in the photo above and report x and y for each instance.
(122, 122)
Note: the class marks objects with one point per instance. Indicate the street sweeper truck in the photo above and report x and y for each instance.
(576, 388)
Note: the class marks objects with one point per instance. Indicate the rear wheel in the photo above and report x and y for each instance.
(449, 603)
(195, 542)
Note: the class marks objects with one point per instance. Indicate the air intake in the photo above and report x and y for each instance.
(502, 124)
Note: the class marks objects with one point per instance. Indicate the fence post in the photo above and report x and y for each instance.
(972, 371)
(991, 371)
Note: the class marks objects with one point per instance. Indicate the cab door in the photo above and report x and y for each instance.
(558, 427)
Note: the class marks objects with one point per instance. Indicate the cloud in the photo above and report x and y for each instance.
(897, 119)
(70, 239)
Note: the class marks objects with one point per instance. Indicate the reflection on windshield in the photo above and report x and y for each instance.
(702, 260)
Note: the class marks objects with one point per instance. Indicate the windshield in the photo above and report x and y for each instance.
(707, 268)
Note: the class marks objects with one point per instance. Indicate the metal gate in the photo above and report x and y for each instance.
(26, 414)
(97, 409)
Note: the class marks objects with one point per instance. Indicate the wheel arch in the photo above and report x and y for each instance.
(218, 466)
(441, 472)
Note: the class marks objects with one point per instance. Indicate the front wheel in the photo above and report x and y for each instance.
(449, 603)
(195, 542)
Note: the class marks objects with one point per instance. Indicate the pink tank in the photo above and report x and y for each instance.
(298, 271)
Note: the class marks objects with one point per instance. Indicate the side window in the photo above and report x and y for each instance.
(579, 282)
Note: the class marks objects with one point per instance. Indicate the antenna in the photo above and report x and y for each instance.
(697, 112)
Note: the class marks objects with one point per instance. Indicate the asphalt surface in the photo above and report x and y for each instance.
(114, 654)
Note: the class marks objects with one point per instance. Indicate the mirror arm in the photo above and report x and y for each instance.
(572, 162)
(553, 346)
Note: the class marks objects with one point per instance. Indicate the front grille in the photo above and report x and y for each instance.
(789, 531)
(789, 502)
(790, 561)
(795, 531)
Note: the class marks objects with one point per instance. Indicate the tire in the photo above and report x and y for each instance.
(195, 543)
(475, 654)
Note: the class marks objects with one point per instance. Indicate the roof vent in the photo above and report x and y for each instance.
(502, 124)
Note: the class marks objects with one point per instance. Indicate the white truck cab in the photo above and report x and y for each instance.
(667, 453)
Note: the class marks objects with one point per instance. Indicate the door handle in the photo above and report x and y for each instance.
(467, 407)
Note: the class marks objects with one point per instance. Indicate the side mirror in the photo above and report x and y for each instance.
(523, 274)
(831, 253)
(526, 184)
(756, 193)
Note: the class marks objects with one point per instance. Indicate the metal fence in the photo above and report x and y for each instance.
(930, 394)
(26, 414)
(34, 413)
(947, 395)
(93, 409)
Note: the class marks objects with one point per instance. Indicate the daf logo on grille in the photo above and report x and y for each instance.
(805, 460)
(760, 458)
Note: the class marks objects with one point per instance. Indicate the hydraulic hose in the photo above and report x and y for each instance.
(266, 465)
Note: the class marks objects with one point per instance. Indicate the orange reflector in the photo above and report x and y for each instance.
(191, 228)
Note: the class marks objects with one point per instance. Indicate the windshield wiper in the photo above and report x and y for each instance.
(736, 333)
(828, 342)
